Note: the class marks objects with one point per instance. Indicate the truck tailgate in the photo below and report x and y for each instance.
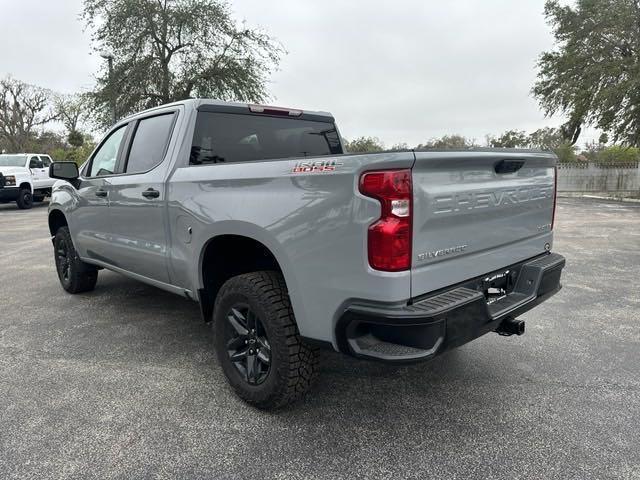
(477, 212)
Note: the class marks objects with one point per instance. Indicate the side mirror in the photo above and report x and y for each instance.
(64, 170)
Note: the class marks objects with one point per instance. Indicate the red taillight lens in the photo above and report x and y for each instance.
(389, 238)
(555, 195)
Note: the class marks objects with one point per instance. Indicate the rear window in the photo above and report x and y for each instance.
(232, 138)
(149, 143)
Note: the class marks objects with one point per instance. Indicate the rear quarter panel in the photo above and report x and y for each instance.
(314, 223)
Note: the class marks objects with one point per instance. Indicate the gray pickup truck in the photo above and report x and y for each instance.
(290, 244)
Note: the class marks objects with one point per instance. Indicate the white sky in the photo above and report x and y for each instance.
(403, 71)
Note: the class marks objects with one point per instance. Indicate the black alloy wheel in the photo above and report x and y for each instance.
(257, 341)
(247, 344)
(75, 275)
(62, 261)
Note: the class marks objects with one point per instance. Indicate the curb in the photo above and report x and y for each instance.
(601, 197)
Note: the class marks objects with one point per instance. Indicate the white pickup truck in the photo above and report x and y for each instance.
(24, 178)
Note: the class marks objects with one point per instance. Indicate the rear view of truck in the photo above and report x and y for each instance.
(475, 230)
(288, 243)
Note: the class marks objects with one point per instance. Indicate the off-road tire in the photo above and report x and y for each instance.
(25, 199)
(294, 363)
(75, 276)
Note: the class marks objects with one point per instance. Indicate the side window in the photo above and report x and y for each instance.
(104, 160)
(35, 162)
(46, 161)
(149, 143)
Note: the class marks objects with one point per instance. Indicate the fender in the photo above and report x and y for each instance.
(254, 232)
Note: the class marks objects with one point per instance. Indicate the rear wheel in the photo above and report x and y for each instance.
(258, 343)
(75, 275)
(25, 199)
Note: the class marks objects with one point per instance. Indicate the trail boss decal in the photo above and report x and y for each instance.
(316, 166)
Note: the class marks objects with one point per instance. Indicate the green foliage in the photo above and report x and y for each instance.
(619, 154)
(603, 139)
(399, 146)
(81, 154)
(566, 153)
(364, 145)
(170, 50)
(593, 76)
(546, 139)
(509, 139)
(73, 154)
(454, 141)
(75, 138)
(611, 154)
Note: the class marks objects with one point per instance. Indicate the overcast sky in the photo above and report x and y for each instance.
(404, 71)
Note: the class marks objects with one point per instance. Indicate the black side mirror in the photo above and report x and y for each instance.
(64, 170)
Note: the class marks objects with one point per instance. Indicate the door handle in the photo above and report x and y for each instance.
(101, 193)
(150, 193)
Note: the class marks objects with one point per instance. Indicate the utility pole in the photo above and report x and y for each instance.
(112, 91)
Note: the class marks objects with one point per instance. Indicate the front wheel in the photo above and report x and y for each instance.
(25, 199)
(75, 275)
(258, 343)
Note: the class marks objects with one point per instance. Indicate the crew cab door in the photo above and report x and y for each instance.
(90, 217)
(38, 173)
(47, 182)
(137, 199)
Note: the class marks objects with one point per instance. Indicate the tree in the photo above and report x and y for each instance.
(566, 153)
(364, 145)
(509, 139)
(75, 138)
(24, 109)
(399, 146)
(45, 141)
(168, 50)
(454, 141)
(76, 154)
(593, 76)
(72, 110)
(546, 138)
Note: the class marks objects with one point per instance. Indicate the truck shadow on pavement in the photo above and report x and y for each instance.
(12, 207)
(150, 326)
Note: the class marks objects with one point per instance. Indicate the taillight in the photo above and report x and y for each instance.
(389, 237)
(555, 195)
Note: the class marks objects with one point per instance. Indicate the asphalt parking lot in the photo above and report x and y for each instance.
(123, 383)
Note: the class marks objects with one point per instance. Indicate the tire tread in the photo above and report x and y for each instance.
(83, 276)
(300, 368)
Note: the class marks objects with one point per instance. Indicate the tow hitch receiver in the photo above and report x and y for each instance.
(510, 326)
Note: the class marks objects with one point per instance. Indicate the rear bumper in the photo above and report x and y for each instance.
(9, 194)
(439, 321)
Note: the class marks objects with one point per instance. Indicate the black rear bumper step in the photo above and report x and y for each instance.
(430, 325)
